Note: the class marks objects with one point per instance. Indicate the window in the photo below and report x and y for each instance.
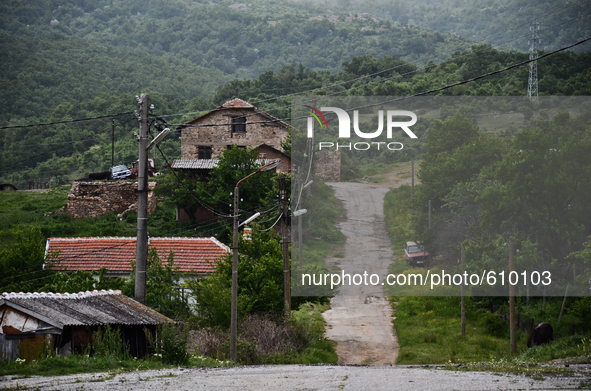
(204, 152)
(239, 124)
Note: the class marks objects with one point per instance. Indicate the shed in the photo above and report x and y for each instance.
(66, 322)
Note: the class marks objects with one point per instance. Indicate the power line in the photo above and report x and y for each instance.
(409, 96)
(65, 122)
(416, 61)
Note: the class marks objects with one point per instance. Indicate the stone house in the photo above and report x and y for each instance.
(236, 122)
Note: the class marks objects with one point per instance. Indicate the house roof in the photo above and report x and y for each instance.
(83, 308)
(207, 164)
(237, 103)
(116, 253)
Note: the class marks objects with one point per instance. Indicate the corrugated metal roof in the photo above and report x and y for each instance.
(206, 164)
(116, 253)
(194, 164)
(85, 308)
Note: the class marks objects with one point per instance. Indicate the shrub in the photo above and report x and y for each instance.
(171, 344)
(107, 342)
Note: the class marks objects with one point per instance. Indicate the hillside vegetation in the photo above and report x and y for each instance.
(70, 51)
(500, 22)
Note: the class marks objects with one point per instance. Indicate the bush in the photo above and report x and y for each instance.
(267, 338)
(493, 325)
(171, 344)
(107, 342)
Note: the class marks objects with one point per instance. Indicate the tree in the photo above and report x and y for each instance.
(162, 286)
(456, 152)
(22, 263)
(260, 282)
(542, 186)
(216, 190)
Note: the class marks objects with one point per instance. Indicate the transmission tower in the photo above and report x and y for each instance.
(534, 41)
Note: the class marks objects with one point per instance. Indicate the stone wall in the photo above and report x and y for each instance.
(328, 165)
(94, 199)
(219, 137)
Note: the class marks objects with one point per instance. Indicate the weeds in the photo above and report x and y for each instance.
(269, 339)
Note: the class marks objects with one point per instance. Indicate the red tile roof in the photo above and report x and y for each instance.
(237, 103)
(116, 253)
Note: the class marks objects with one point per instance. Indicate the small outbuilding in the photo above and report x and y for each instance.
(65, 322)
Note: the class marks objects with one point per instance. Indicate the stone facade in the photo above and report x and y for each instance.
(94, 199)
(328, 165)
(260, 128)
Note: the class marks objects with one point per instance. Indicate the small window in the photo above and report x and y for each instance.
(239, 124)
(204, 152)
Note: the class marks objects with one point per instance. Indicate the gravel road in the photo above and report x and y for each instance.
(360, 318)
(298, 377)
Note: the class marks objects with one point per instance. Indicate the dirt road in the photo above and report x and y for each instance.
(360, 318)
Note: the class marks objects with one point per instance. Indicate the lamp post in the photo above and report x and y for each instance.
(234, 310)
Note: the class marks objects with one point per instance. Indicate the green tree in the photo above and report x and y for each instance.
(162, 286)
(260, 282)
(216, 190)
(456, 152)
(22, 262)
(542, 186)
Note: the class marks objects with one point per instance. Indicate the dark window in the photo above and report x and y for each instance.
(204, 152)
(238, 124)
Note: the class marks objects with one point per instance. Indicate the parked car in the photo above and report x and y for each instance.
(416, 255)
(120, 172)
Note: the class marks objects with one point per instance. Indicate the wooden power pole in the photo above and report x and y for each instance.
(141, 253)
(512, 322)
(463, 300)
(285, 243)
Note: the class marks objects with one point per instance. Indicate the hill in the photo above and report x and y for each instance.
(74, 51)
(499, 22)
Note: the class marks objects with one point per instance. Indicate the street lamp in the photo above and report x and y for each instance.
(234, 311)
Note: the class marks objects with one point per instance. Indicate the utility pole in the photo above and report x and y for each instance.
(429, 226)
(141, 252)
(512, 323)
(300, 238)
(285, 244)
(234, 305)
(463, 300)
(113, 142)
(413, 178)
(534, 40)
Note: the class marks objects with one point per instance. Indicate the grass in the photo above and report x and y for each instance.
(22, 209)
(400, 218)
(429, 327)
(429, 332)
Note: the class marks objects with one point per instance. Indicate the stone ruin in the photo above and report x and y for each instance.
(94, 199)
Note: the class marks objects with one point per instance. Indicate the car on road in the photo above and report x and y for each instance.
(416, 255)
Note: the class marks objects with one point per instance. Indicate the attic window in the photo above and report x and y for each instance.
(204, 152)
(239, 124)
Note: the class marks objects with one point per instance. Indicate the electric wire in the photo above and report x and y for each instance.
(65, 122)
